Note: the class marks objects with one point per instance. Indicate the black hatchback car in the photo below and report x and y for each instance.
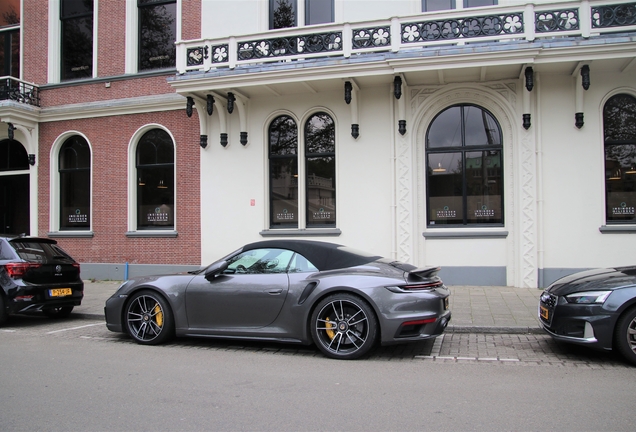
(37, 275)
(595, 308)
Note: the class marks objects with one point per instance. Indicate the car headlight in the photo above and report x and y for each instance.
(589, 297)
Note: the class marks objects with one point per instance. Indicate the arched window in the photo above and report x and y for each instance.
(155, 180)
(464, 177)
(283, 172)
(75, 184)
(308, 187)
(619, 127)
(320, 168)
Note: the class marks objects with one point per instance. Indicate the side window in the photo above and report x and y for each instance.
(300, 264)
(75, 184)
(282, 14)
(320, 169)
(437, 5)
(77, 38)
(283, 172)
(155, 180)
(9, 45)
(260, 261)
(464, 178)
(619, 130)
(157, 34)
(318, 12)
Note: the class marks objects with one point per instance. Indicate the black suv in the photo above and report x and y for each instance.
(37, 275)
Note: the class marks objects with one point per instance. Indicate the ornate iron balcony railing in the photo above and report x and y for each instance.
(20, 91)
(585, 19)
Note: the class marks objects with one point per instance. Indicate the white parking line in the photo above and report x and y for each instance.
(75, 328)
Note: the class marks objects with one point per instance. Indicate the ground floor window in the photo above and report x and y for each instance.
(464, 176)
(75, 184)
(302, 177)
(14, 188)
(155, 180)
(619, 126)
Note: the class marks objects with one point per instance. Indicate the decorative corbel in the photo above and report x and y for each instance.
(583, 83)
(529, 73)
(526, 116)
(397, 92)
(31, 159)
(210, 104)
(240, 102)
(230, 102)
(351, 98)
(585, 77)
(189, 105)
(10, 131)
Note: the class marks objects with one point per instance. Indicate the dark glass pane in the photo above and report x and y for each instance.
(14, 204)
(318, 11)
(76, 7)
(283, 136)
(77, 48)
(155, 147)
(477, 3)
(320, 134)
(75, 199)
(484, 187)
(620, 183)
(9, 59)
(321, 191)
(157, 34)
(75, 154)
(436, 5)
(155, 196)
(446, 129)
(481, 129)
(282, 14)
(619, 119)
(13, 156)
(9, 12)
(283, 200)
(445, 189)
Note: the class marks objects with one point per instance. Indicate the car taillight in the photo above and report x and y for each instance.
(416, 287)
(77, 266)
(18, 270)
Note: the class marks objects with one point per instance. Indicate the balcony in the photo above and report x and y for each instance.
(530, 22)
(20, 91)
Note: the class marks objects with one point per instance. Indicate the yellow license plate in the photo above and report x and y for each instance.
(544, 312)
(60, 292)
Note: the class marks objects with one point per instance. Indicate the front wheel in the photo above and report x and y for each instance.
(58, 312)
(625, 335)
(344, 326)
(149, 319)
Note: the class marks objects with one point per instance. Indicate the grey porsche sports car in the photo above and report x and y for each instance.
(345, 301)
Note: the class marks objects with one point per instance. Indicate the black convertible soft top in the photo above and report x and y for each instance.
(325, 256)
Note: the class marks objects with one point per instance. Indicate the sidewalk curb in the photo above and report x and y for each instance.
(494, 329)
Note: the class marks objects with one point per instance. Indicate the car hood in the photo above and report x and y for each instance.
(594, 280)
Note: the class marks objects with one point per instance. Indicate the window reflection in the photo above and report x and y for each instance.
(619, 126)
(283, 172)
(75, 172)
(157, 34)
(320, 165)
(464, 168)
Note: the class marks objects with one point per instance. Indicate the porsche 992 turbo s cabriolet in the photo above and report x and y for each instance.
(596, 308)
(294, 291)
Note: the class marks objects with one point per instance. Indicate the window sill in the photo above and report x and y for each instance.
(328, 232)
(151, 234)
(465, 233)
(73, 234)
(618, 229)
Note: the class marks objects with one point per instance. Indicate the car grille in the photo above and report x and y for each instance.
(548, 300)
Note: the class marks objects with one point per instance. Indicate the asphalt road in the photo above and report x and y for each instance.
(74, 374)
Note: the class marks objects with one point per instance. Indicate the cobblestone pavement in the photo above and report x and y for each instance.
(479, 348)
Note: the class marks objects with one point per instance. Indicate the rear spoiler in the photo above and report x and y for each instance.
(424, 272)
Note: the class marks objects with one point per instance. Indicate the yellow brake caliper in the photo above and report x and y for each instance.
(158, 315)
(330, 327)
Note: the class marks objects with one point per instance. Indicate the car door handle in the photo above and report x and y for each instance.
(275, 291)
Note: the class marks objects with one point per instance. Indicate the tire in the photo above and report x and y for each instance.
(625, 335)
(58, 312)
(344, 326)
(148, 318)
(3, 311)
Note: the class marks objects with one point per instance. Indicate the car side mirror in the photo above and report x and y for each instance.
(215, 269)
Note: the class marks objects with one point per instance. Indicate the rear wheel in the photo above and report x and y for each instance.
(625, 335)
(344, 326)
(58, 312)
(148, 318)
